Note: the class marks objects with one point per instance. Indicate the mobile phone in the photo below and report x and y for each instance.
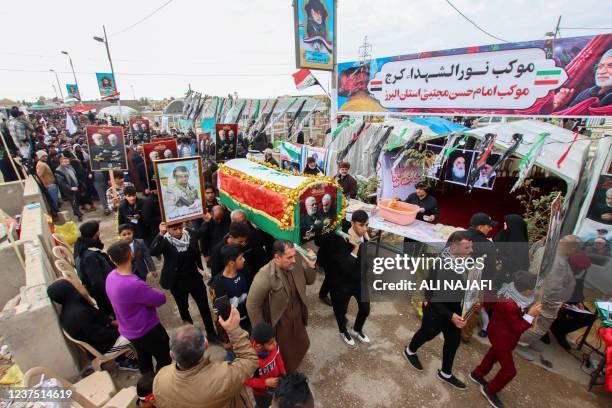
(223, 307)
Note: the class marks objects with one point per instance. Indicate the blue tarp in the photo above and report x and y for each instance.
(440, 125)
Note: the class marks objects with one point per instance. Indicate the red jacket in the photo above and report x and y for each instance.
(507, 325)
(269, 367)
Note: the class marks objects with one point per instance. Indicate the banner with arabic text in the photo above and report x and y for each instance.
(570, 77)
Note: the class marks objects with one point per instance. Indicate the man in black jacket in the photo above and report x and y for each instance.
(180, 273)
(343, 270)
(442, 309)
(151, 215)
(238, 234)
(69, 185)
(215, 227)
(481, 225)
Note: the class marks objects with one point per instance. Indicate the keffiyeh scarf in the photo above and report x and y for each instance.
(181, 244)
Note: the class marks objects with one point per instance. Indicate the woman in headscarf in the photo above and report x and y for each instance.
(92, 264)
(512, 244)
(83, 322)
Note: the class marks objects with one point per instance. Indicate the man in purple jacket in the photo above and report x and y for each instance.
(135, 303)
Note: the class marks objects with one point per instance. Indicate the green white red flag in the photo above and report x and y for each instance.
(304, 79)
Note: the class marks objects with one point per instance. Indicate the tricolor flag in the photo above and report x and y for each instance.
(547, 77)
(304, 79)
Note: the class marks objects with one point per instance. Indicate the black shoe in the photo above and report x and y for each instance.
(413, 359)
(452, 380)
(326, 299)
(545, 339)
(128, 365)
(482, 333)
(492, 398)
(478, 380)
(562, 340)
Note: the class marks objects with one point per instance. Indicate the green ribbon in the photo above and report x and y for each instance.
(533, 148)
(342, 126)
(452, 149)
(397, 141)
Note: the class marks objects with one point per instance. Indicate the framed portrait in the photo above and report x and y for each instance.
(206, 145)
(106, 148)
(179, 187)
(140, 129)
(482, 181)
(458, 166)
(434, 172)
(226, 141)
(315, 34)
(158, 149)
(317, 210)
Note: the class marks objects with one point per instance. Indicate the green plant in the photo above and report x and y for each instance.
(366, 187)
(537, 209)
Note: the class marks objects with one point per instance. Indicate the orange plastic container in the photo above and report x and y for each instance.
(402, 213)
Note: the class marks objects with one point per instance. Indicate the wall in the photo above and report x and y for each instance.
(11, 272)
(11, 197)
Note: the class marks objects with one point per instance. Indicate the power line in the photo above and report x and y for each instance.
(143, 19)
(144, 74)
(474, 24)
(586, 28)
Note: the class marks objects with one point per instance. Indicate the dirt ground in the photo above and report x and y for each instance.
(378, 375)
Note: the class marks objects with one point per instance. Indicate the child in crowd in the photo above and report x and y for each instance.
(271, 366)
(144, 390)
(509, 321)
(142, 261)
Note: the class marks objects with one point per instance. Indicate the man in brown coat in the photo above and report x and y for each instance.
(278, 297)
(194, 382)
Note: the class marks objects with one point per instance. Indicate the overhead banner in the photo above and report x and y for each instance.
(107, 86)
(73, 91)
(570, 77)
(315, 34)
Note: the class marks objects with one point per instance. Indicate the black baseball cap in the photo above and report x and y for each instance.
(482, 219)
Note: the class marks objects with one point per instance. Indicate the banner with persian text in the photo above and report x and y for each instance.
(567, 77)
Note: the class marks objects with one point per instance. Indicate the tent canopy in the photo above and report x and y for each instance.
(83, 109)
(555, 145)
(125, 111)
(430, 127)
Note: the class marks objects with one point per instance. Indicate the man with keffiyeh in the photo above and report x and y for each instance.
(181, 272)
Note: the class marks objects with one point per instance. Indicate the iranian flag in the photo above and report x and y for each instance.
(547, 77)
(304, 79)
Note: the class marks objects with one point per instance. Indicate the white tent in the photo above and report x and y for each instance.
(555, 145)
(114, 111)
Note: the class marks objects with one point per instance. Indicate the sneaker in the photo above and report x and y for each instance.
(478, 380)
(482, 333)
(413, 359)
(452, 380)
(492, 398)
(360, 336)
(346, 337)
(128, 365)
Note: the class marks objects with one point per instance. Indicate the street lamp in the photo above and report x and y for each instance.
(55, 89)
(58, 83)
(105, 41)
(74, 75)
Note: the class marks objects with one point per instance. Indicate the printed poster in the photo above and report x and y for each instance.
(315, 34)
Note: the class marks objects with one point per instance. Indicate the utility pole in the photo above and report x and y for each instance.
(74, 76)
(58, 83)
(110, 60)
(55, 89)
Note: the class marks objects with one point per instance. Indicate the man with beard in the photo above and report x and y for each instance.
(602, 89)
(100, 152)
(486, 180)
(311, 223)
(601, 209)
(346, 181)
(327, 214)
(117, 152)
(457, 171)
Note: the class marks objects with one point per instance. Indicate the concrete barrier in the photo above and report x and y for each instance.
(32, 329)
(11, 271)
(11, 197)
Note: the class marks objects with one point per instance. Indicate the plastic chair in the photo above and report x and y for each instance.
(66, 269)
(59, 238)
(92, 391)
(99, 358)
(60, 252)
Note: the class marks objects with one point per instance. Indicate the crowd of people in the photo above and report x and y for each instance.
(264, 281)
